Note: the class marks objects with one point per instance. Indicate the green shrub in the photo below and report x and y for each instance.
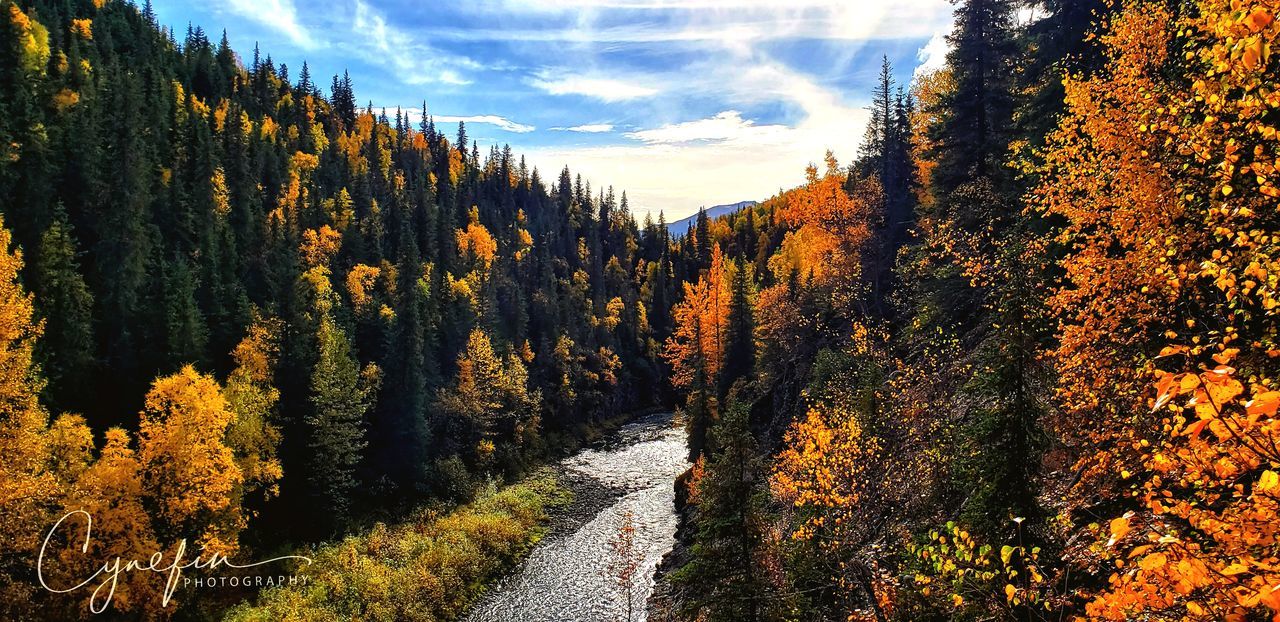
(429, 569)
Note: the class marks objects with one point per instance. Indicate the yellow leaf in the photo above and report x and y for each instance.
(1119, 527)
(1153, 561)
(1269, 481)
(1235, 569)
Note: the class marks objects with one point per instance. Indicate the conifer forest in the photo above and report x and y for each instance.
(1011, 353)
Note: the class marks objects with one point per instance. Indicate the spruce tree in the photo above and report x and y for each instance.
(973, 137)
(702, 237)
(64, 301)
(725, 580)
(340, 397)
(740, 347)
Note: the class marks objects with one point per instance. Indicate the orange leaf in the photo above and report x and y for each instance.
(1195, 429)
(1258, 19)
(1119, 528)
(1166, 389)
(1263, 405)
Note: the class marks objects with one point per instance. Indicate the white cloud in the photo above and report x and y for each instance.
(414, 63)
(713, 21)
(278, 14)
(605, 89)
(726, 126)
(933, 56)
(679, 160)
(676, 167)
(501, 123)
(590, 128)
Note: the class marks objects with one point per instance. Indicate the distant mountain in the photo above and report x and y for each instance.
(682, 226)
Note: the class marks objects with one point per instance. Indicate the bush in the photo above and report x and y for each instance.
(428, 569)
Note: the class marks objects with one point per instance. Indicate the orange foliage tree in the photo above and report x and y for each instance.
(831, 227)
(695, 348)
(696, 345)
(27, 488)
(1164, 171)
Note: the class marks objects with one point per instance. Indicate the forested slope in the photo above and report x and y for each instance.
(1018, 359)
(322, 311)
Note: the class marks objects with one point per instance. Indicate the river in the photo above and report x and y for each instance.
(566, 577)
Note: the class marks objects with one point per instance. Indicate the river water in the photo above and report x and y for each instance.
(566, 577)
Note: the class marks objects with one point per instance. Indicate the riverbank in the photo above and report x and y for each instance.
(430, 568)
(571, 576)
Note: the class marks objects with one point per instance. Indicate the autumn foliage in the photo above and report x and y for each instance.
(1176, 240)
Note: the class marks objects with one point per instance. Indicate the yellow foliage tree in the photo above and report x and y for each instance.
(251, 396)
(831, 228)
(28, 490)
(188, 470)
(110, 491)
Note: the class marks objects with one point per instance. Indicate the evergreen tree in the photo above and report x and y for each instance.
(973, 136)
(340, 394)
(1064, 40)
(63, 299)
(702, 237)
(185, 332)
(304, 80)
(740, 347)
(723, 572)
(343, 99)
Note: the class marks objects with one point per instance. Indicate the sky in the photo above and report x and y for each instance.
(680, 103)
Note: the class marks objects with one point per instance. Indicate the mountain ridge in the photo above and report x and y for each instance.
(682, 226)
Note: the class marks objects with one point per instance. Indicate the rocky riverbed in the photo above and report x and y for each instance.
(567, 576)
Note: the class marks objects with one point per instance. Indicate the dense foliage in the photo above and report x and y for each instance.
(1058, 399)
(277, 316)
(428, 568)
(1016, 360)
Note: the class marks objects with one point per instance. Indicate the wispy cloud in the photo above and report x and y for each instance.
(725, 157)
(681, 102)
(628, 21)
(280, 15)
(726, 126)
(604, 89)
(416, 63)
(590, 128)
(501, 123)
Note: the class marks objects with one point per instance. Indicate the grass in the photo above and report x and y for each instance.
(428, 569)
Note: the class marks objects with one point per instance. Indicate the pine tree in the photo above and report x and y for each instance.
(343, 98)
(186, 334)
(724, 573)
(124, 233)
(739, 339)
(973, 137)
(702, 237)
(1063, 41)
(340, 397)
(63, 299)
(304, 80)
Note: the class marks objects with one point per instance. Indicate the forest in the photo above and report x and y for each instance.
(1015, 360)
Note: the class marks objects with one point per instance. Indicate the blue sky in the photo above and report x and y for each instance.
(682, 103)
